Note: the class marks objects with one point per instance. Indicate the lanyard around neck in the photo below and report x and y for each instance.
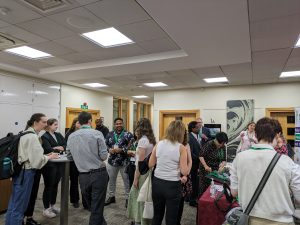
(255, 148)
(117, 137)
(85, 127)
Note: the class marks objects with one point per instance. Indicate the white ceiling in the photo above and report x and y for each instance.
(176, 42)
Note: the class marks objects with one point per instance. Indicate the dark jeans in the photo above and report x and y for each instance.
(180, 211)
(93, 187)
(130, 170)
(166, 195)
(34, 192)
(52, 174)
(21, 191)
(195, 182)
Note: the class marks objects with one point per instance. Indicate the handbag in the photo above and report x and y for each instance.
(148, 211)
(228, 196)
(237, 216)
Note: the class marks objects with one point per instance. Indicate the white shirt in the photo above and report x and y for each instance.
(144, 144)
(274, 202)
(167, 166)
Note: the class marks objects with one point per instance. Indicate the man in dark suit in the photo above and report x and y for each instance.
(194, 142)
(204, 132)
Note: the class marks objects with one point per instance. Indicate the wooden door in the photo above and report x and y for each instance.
(167, 116)
(286, 117)
(71, 113)
(5, 187)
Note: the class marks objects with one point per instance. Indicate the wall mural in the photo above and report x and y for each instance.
(239, 114)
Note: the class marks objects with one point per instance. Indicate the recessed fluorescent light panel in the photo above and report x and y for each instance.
(95, 85)
(290, 74)
(297, 45)
(216, 80)
(140, 96)
(55, 87)
(28, 52)
(109, 37)
(156, 84)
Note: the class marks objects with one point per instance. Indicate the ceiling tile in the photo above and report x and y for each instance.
(30, 65)
(238, 73)
(268, 9)
(86, 2)
(115, 52)
(294, 60)
(269, 63)
(158, 45)
(56, 61)
(265, 80)
(3, 24)
(46, 28)
(79, 20)
(143, 31)
(77, 43)
(17, 13)
(118, 12)
(7, 57)
(22, 34)
(209, 72)
(35, 64)
(77, 58)
(52, 48)
(274, 34)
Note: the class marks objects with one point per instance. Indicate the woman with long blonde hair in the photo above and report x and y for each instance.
(170, 158)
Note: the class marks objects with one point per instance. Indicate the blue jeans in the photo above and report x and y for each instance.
(22, 185)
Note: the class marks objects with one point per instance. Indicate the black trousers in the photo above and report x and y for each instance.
(195, 181)
(93, 187)
(52, 174)
(34, 193)
(166, 195)
(180, 211)
(74, 186)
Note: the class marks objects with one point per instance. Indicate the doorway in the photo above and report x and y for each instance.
(286, 117)
(71, 113)
(167, 116)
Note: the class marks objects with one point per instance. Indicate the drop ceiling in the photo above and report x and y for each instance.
(176, 42)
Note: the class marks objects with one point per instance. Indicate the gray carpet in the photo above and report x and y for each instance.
(115, 214)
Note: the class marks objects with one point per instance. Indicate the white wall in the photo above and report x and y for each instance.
(20, 97)
(212, 101)
(74, 97)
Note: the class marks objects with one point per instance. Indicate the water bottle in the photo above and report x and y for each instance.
(212, 189)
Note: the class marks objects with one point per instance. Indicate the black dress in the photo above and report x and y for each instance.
(213, 157)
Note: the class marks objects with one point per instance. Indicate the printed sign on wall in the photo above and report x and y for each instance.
(239, 114)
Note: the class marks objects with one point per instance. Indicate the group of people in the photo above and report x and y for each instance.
(177, 165)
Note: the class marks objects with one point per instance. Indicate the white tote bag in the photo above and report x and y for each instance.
(148, 206)
(144, 191)
(148, 212)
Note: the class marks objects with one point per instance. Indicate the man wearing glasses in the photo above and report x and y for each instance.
(204, 133)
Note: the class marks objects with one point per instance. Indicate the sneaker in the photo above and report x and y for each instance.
(31, 221)
(55, 209)
(49, 213)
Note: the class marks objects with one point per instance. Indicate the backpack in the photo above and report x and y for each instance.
(9, 165)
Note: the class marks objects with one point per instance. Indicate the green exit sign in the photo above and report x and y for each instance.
(84, 107)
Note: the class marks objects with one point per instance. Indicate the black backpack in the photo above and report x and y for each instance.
(9, 165)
